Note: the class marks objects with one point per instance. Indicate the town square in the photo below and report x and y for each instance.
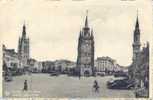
(43, 85)
(64, 78)
(68, 51)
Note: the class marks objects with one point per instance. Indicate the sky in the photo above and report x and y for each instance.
(53, 26)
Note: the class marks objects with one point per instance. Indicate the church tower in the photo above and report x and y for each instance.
(23, 48)
(136, 41)
(136, 52)
(85, 58)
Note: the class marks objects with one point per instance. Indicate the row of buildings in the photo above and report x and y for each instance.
(16, 61)
(104, 64)
(11, 61)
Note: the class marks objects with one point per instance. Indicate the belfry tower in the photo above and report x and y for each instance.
(85, 58)
(23, 48)
(136, 51)
(136, 41)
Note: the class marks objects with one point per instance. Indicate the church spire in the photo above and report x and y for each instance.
(136, 40)
(86, 21)
(137, 22)
(24, 31)
(137, 30)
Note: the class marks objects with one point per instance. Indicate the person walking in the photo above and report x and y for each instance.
(25, 86)
(96, 87)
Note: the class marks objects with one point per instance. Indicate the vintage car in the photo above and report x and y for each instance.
(54, 74)
(100, 73)
(120, 84)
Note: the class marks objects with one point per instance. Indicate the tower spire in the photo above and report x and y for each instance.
(86, 21)
(92, 33)
(24, 30)
(136, 40)
(137, 21)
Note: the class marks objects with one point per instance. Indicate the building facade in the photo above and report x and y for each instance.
(34, 65)
(107, 64)
(58, 65)
(10, 59)
(48, 66)
(62, 65)
(23, 48)
(85, 58)
(103, 64)
(143, 64)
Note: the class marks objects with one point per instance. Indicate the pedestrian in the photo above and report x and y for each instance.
(79, 76)
(25, 86)
(96, 86)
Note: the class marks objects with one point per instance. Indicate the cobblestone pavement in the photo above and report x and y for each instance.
(44, 85)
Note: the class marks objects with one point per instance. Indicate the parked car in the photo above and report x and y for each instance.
(54, 74)
(120, 84)
(100, 73)
(110, 81)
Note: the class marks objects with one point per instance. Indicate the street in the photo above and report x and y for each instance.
(43, 85)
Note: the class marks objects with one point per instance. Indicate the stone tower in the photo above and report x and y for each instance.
(85, 58)
(136, 41)
(136, 52)
(23, 48)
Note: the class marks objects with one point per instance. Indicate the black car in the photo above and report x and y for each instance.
(121, 84)
(54, 74)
